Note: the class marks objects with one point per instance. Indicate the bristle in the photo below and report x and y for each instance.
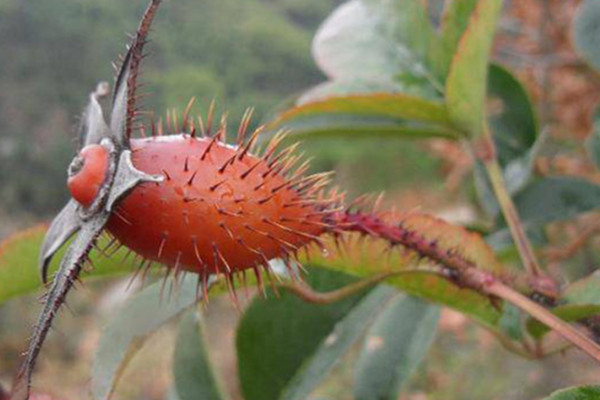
(250, 142)
(250, 169)
(159, 128)
(226, 229)
(243, 128)
(290, 230)
(186, 114)
(191, 180)
(216, 185)
(274, 143)
(222, 132)
(201, 125)
(168, 121)
(210, 145)
(229, 161)
(153, 124)
(175, 122)
(161, 247)
(209, 117)
(259, 280)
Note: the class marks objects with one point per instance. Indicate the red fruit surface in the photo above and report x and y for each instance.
(216, 210)
(85, 184)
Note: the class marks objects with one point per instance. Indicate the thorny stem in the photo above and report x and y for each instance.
(490, 161)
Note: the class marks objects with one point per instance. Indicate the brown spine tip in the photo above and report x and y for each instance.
(210, 145)
(191, 180)
(216, 185)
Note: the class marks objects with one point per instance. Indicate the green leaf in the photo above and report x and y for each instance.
(394, 347)
(512, 117)
(377, 39)
(125, 334)
(556, 198)
(456, 16)
(388, 113)
(582, 300)
(467, 79)
(345, 333)
(592, 143)
(367, 127)
(19, 256)
(576, 393)
(587, 31)
(392, 105)
(514, 127)
(194, 377)
(276, 336)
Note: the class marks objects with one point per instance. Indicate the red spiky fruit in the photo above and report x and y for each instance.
(219, 208)
(87, 173)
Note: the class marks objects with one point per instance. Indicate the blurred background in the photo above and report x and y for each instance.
(257, 53)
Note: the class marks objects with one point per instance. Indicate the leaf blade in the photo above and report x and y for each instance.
(193, 376)
(394, 348)
(125, 334)
(345, 334)
(467, 79)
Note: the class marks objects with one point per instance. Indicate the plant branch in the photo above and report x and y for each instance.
(538, 312)
(307, 293)
(490, 161)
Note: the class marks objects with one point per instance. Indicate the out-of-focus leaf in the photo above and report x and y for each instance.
(376, 114)
(277, 336)
(394, 347)
(587, 31)
(511, 322)
(592, 143)
(467, 80)
(355, 87)
(391, 105)
(576, 393)
(345, 333)
(379, 39)
(512, 117)
(347, 126)
(402, 114)
(581, 300)
(194, 377)
(556, 198)
(455, 20)
(19, 256)
(125, 334)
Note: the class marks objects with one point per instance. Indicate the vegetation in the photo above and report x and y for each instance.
(390, 70)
